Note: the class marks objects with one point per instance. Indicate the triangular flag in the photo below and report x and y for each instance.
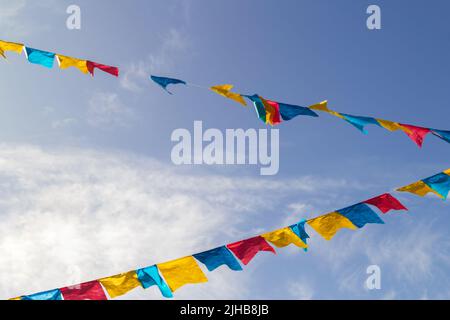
(444, 135)
(390, 125)
(247, 249)
(323, 106)
(180, 272)
(225, 91)
(419, 188)
(290, 111)
(164, 82)
(359, 122)
(386, 202)
(417, 134)
(440, 183)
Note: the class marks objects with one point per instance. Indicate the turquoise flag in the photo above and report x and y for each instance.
(42, 58)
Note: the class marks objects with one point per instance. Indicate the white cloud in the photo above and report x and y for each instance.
(106, 109)
(300, 290)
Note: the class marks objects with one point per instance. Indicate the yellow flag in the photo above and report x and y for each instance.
(323, 106)
(447, 172)
(182, 271)
(284, 237)
(120, 284)
(17, 298)
(67, 62)
(390, 125)
(225, 90)
(419, 188)
(10, 46)
(329, 224)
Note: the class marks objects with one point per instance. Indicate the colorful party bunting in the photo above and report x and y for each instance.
(181, 272)
(323, 106)
(444, 135)
(67, 62)
(390, 125)
(40, 57)
(85, 291)
(299, 230)
(247, 249)
(359, 122)
(440, 183)
(120, 284)
(417, 134)
(385, 203)
(419, 188)
(360, 214)
(108, 69)
(284, 237)
(10, 46)
(214, 258)
(290, 111)
(164, 82)
(46, 295)
(149, 277)
(273, 116)
(328, 225)
(225, 91)
(259, 107)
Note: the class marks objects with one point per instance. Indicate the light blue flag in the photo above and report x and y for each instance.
(360, 122)
(46, 295)
(150, 276)
(164, 82)
(360, 214)
(214, 258)
(444, 135)
(439, 183)
(42, 58)
(299, 230)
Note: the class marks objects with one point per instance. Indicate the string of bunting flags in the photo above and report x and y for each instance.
(172, 275)
(274, 112)
(46, 59)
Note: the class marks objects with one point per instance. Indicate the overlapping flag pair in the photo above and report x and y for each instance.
(46, 59)
(273, 112)
(172, 275)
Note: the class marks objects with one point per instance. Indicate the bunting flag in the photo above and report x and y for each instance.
(10, 46)
(181, 272)
(172, 275)
(164, 82)
(225, 90)
(45, 59)
(85, 291)
(444, 135)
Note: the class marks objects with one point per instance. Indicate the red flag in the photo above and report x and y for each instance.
(245, 250)
(273, 112)
(417, 134)
(386, 202)
(85, 291)
(111, 70)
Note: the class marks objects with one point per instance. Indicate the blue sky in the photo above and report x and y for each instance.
(88, 187)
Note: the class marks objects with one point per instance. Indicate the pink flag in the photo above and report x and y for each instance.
(111, 70)
(417, 134)
(85, 291)
(386, 202)
(245, 250)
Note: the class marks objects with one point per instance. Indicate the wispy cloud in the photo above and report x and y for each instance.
(106, 109)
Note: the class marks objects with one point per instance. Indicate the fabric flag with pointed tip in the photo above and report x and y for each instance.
(180, 272)
(390, 125)
(164, 82)
(440, 183)
(40, 57)
(323, 106)
(386, 202)
(360, 214)
(225, 91)
(272, 108)
(290, 111)
(360, 122)
(416, 134)
(419, 188)
(67, 62)
(84, 291)
(247, 249)
(328, 225)
(10, 46)
(149, 277)
(120, 284)
(259, 107)
(284, 237)
(105, 68)
(443, 134)
(46, 295)
(214, 258)
(299, 230)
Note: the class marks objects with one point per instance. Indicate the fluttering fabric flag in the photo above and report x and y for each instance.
(259, 107)
(299, 230)
(105, 68)
(328, 225)
(390, 125)
(440, 183)
(67, 62)
(415, 133)
(443, 134)
(10, 46)
(225, 91)
(360, 122)
(46, 295)
(323, 106)
(419, 188)
(290, 111)
(120, 284)
(180, 272)
(164, 82)
(85, 291)
(284, 237)
(214, 258)
(386, 202)
(40, 57)
(360, 214)
(247, 249)
(273, 116)
(150, 276)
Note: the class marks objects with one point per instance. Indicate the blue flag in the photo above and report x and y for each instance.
(360, 214)
(164, 82)
(46, 295)
(150, 276)
(214, 258)
(289, 111)
(42, 58)
(360, 122)
(439, 183)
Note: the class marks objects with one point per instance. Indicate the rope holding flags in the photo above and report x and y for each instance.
(172, 275)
